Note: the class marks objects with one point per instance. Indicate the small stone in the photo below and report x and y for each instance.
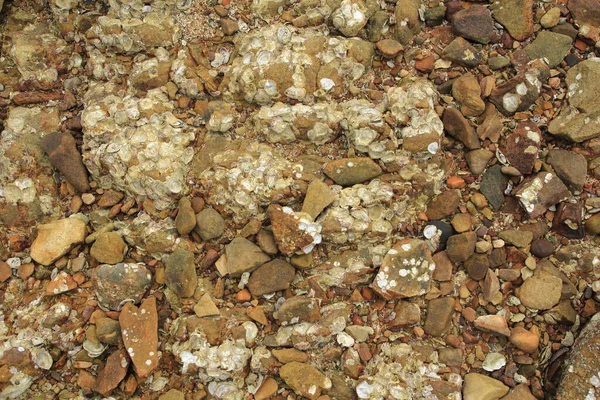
(206, 307)
(251, 228)
(266, 241)
(461, 222)
(304, 379)
(139, 327)
(460, 247)
(229, 27)
(520, 392)
(462, 53)
(350, 171)
(551, 18)
(478, 160)
(459, 128)
(443, 205)
(61, 283)
(389, 48)
(209, 224)
(117, 283)
(443, 267)
(492, 323)
(516, 16)
(498, 62)
(491, 285)
(522, 146)
(518, 238)
(474, 23)
(542, 248)
(539, 192)
(267, 389)
(524, 339)
(477, 387)
(180, 273)
(568, 220)
(434, 16)
(64, 156)
(112, 374)
(493, 361)
(108, 331)
(185, 221)
(592, 225)
(271, 277)
(109, 248)
(467, 92)
(407, 314)
(289, 355)
(294, 234)
(5, 271)
(477, 266)
(439, 316)
(570, 167)
(554, 47)
(110, 198)
(172, 394)
(541, 292)
(298, 309)
(318, 196)
(243, 256)
(56, 238)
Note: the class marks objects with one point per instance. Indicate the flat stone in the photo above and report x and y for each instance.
(443, 267)
(439, 316)
(516, 237)
(206, 307)
(443, 205)
(180, 273)
(407, 314)
(209, 224)
(185, 221)
(539, 192)
(290, 355)
(267, 389)
(271, 277)
(522, 146)
(568, 220)
(117, 283)
(490, 286)
(5, 271)
(389, 48)
(407, 11)
(460, 247)
(112, 374)
(495, 324)
(554, 47)
(139, 327)
(298, 309)
(56, 238)
(478, 160)
(462, 53)
(318, 196)
(459, 128)
(551, 18)
(61, 283)
(541, 291)
(477, 387)
(474, 23)
(350, 171)
(477, 266)
(62, 152)
(110, 198)
(172, 394)
(461, 222)
(467, 92)
(516, 16)
(294, 233)
(304, 379)
(498, 62)
(109, 248)
(570, 167)
(243, 256)
(524, 339)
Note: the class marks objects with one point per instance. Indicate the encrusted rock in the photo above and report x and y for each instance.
(305, 379)
(293, 233)
(539, 192)
(108, 248)
(139, 327)
(122, 282)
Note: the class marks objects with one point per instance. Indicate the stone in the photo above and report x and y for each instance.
(516, 16)
(570, 167)
(539, 192)
(289, 355)
(109, 248)
(592, 225)
(112, 374)
(568, 220)
(298, 309)
(185, 221)
(439, 316)
(62, 152)
(461, 222)
(490, 286)
(229, 27)
(477, 266)
(139, 327)
(180, 273)
(520, 392)
(443, 267)
(542, 248)
(407, 314)
(115, 284)
(172, 394)
(405, 270)
(267, 389)
(443, 205)
(477, 386)
(108, 331)
(318, 196)
(389, 48)
(551, 46)
(459, 128)
(436, 235)
(350, 171)
(467, 92)
(304, 379)
(542, 291)
(478, 160)
(498, 62)
(243, 256)
(474, 23)
(271, 277)
(495, 324)
(206, 307)
(516, 237)
(524, 339)
(462, 53)
(5, 271)
(551, 18)
(408, 12)
(56, 238)
(460, 247)
(522, 146)
(293, 233)
(110, 198)
(434, 16)
(209, 224)
(61, 283)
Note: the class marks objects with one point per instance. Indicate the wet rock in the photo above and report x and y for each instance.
(492, 323)
(521, 91)
(467, 92)
(304, 379)
(350, 171)
(271, 277)
(460, 247)
(109, 248)
(117, 283)
(293, 233)
(475, 24)
(443, 205)
(439, 316)
(541, 292)
(516, 237)
(56, 238)
(389, 47)
(62, 152)
(478, 160)
(185, 221)
(462, 53)
(458, 127)
(539, 192)
(570, 167)
(318, 196)
(139, 327)
(112, 374)
(243, 256)
(542, 248)
(522, 146)
(405, 271)
(298, 309)
(477, 386)
(477, 266)
(524, 339)
(516, 16)
(209, 224)
(551, 46)
(568, 220)
(180, 273)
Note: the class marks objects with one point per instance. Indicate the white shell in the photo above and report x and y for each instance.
(41, 358)
(94, 349)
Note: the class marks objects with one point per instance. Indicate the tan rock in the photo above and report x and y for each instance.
(139, 328)
(305, 379)
(206, 307)
(318, 196)
(289, 355)
(524, 339)
(268, 388)
(479, 387)
(56, 238)
(492, 323)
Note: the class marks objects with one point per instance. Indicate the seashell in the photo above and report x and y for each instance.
(94, 349)
(41, 358)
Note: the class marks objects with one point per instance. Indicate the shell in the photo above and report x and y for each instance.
(41, 358)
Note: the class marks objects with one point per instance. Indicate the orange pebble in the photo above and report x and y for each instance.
(243, 295)
(455, 182)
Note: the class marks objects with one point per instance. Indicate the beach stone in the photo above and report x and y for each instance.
(117, 283)
(492, 323)
(539, 192)
(243, 256)
(477, 266)
(592, 225)
(389, 47)
(477, 387)
(271, 277)
(294, 233)
(554, 47)
(478, 160)
(350, 171)
(289, 355)
(568, 220)
(542, 291)
(408, 12)
(267, 389)
(551, 18)
(110, 198)
(436, 235)
(112, 374)
(443, 205)
(498, 62)
(522, 146)
(298, 309)
(206, 307)
(108, 330)
(439, 316)
(209, 224)
(461, 52)
(180, 273)
(443, 267)
(474, 23)
(64, 156)
(460, 247)
(542, 248)
(61, 283)
(185, 221)
(570, 167)
(467, 92)
(172, 394)
(407, 314)
(56, 238)
(109, 248)
(461, 222)
(318, 196)
(459, 128)
(520, 392)
(524, 339)
(516, 16)
(516, 237)
(304, 379)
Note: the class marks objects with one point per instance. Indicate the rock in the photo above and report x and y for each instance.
(5, 271)
(180, 273)
(172, 394)
(554, 47)
(524, 339)
(443, 205)
(474, 23)
(294, 234)
(405, 270)
(62, 152)
(551, 18)
(61, 283)
(389, 48)
(491, 128)
(539, 192)
(477, 387)
(478, 160)
(443, 267)
(350, 171)
(139, 328)
(461, 222)
(110, 198)
(518, 238)
(271, 277)
(185, 221)
(351, 17)
(434, 16)
(408, 12)
(318, 196)
(592, 225)
(462, 53)
(304, 379)
(568, 220)
(266, 241)
(209, 224)
(298, 309)
(439, 316)
(493, 361)
(108, 331)
(407, 314)
(520, 92)
(117, 283)
(520, 392)
(491, 285)
(477, 266)
(56, 238)
(522, 146)
(289, 355)
(243, 256)
(458, 127)
(516, 16)
(498, 62)
(112, 374)
(206, 307)
(542, 248)
(267, 389)
(229, 27)
(570, 167)
(436, 235)
(460, 247)
(541, 292)
(109, 248)
(492, 323)
(467, 93)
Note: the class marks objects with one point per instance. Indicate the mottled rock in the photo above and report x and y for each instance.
(209, 224)
(551, 46)
(516, 237)
(467, 92)
(61, 283)
(521, 91)
(139, 327)
(408, 12)
(116, 283)
(541, 292)
(298, 309)
(570, 167)
(351, 17)
(516, 16)
(185, 221)
(462, 53)
(460, 247)
(443, 205)
(493, 185)
(62, 152)
(539, 192)
(522, 146)
(478, 160)
(56, 238)
(477, 386)
(475, 24)
(271, 277)
(498, 62)
(304, 379)
(243, 256)
(439, 316)
(109, 248)
(318, 196)
(551, 18)
(350, 171)
(180, 273)
(293, 233)
(458, 127)
(524, 339)
(568, 220)
(112, 374)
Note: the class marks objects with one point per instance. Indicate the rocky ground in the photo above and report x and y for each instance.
(288, 199)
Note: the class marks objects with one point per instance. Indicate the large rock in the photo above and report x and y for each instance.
(117, 283)
(56, 238)
(243, 256)
(139, 327)
(62, 152)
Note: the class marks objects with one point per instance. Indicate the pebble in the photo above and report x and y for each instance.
(541, 292)
(112, 374)
(318, 196)
(542, 248)
(592, 225)
(478, 160)
(520, 392)
(304, 379)
(443, 267)
(477, 387)
(271, 277)
(243, 256)
(108, 331)
(61, 283)
(64, 156)
(443, 205)
(289, 355)
(180, 273)
(462, 53)
(117, 283)
(439, 316)
(461, 222)
(88, 198)
(522, 146)
(492, 323)
(110, 198)
(298, 309)
(209, 224)
(350, 171)
(477, 266)
(467, 92)
(460, 247)
(206, 307)
(458, 127)
(568, 222)
(551, 18)
(56, 238)
(524, 339)
(389, 47)
(109, 248)
(570, 167)
(172, 394)
(293, 233)
(474, 23)
(516, 16)
(5, 271)
(267, 389)
(185, 221)
(516, 237)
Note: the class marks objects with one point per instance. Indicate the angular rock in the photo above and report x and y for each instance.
(477, 387)
(350, 171)
(492, 323)
(467, 92)
(570, 167)
(108, 248)
(116, 283)
(568, 220)
(304, 379)
(458, 127)
(520, 392)
(318, 196)
(443, 205)
(298, 309)
(461, 247)
(524, 339)
(516, 237)
(439, 316)
(271, 277)
(185, 221)
(61, 283)
(293, 233)
(475, 24)
(139, 327)
(206, 307)
(462, 53)
(405, 270)
(112, 374)
(521, 147)
(478, 160)
(64, 156)
(209, 224)
(491, 285)
(443, 267)
(108, 331)
(516, 16)
(180, 273)
(477, 266)
(542, 248)
(56, 238)
(407, 314)
(408, 12)
(243, 256)
(541, 291)
(551, 46)
(539, 192)
(289, 355)
(493, 185)
(389, 48)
